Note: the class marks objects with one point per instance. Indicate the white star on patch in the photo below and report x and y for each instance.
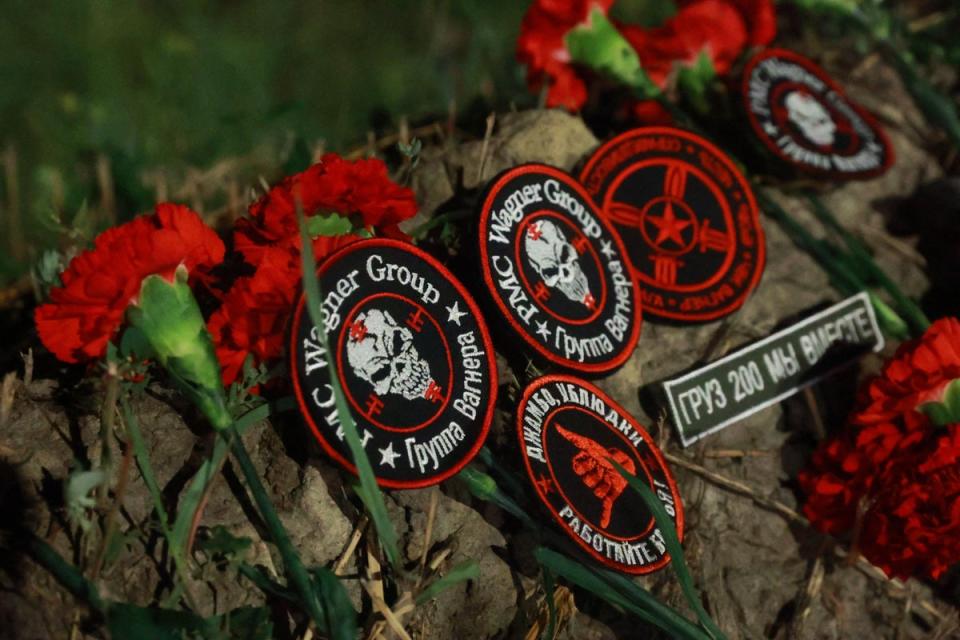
(454, 314)
(606, 248)
(770, 128)
(388, 456)
(543, 329)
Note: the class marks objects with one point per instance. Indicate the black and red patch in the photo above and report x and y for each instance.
(557, 271)
(803, 118)
(568, 431)
(687, 217)
(412, 355)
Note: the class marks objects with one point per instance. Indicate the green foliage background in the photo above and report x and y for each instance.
(178, 84)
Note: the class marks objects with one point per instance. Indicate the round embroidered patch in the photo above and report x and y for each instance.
(687, 217)
(412, 355)
(557, 271)
(569, 431)
(803, 117)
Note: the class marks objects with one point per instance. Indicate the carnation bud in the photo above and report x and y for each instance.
(168, 316)
(942, 405)
(599, 45)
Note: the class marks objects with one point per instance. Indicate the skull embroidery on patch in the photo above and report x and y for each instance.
(811, 117)
(384, 355)
(556, 260)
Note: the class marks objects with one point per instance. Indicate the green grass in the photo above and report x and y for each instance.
(187, 84)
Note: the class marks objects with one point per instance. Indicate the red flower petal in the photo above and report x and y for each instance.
(98, 285)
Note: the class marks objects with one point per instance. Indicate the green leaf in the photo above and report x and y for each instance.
(223, 544)
(341, 621)
(549, 590)
(677, 561)
(468, 570)
(369, 491)
(134, 344)
(147, 623)
(695, 80)
(328, 224)
(246, 623)
(906, 307)
(293, 566)
(940, 109)
(77, 496)
(126, 620)
(484, 487)
(947, 410)
(191, 497)
(837, 7)
(142, 458)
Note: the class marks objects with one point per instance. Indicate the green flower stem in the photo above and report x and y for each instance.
(142, 457)
(65, 573)
(940, 109)
(368, 490)
(672, 542)
(648, 609)
(842, 276)
(598, 581)
(293, 566)
(908, 308)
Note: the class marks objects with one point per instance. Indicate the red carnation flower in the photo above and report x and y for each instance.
(918, 373)
(721, 29)
(253, 317)
(86, 312)
(360, 189)
(912, 524)
(893, 472)
(541, 47)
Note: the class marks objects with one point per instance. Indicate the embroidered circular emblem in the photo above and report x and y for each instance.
(805, 119)
(557, 271)
(687, 217)
(412, 355)
(569, 430)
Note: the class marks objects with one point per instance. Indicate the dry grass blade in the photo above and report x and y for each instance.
(389, 616)
(783, 510)
(351, 547)
(481, 169)
(806, 598)
(374, 574)
(737, 453)
(565, 608)
(428, 533)
(737, 487)
(8, 392)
